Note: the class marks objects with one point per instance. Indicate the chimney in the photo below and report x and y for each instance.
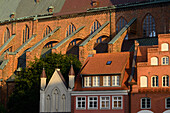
(50, 9)
(43, 80)
(12, 15)
(71, 77)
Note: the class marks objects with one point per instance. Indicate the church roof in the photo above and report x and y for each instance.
(29, 8)
(43, 75)
(71, 72)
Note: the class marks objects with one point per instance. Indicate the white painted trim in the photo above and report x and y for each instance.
(93, 100)
(101, 103)
(117, 101)
(145, 103)
(77, 104)
(115, 92)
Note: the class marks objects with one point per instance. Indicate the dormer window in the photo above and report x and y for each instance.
(96, 81)
(106, 81)
(115, 81)
(87, 81)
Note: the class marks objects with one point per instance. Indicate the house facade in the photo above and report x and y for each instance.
(151, 94)
(101, 85)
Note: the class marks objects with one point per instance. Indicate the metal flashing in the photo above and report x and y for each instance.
(94, 34)
(42, 40)
(67, 38)
(122, 31)
(3, 64)
(6, 43)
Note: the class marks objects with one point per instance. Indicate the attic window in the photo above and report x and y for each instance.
(50, 9)
(108, 62)
(94, 3)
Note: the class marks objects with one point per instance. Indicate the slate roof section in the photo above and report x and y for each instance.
(96, 65)
(23, 8)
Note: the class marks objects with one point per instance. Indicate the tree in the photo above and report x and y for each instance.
(25, 98)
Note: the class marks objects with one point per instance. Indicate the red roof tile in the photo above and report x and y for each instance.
(97, 63)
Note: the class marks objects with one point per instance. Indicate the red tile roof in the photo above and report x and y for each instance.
(77, 6)
(97, 63)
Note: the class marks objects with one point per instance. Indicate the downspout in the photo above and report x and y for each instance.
(132, 73)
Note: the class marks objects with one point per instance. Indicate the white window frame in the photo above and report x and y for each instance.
(104, 102)
(93, 102)
(164, 47)
(117, 102)
(165, 60)
(87, 81)
(154, 61)
(96, 81)
(116, 80)
(166, 81)
(81, 103)
(166, 103)
(142, 82)
(145, 103)
(155, 81)
(106, 81)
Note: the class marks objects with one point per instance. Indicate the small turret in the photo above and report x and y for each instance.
(71, 77)
(43, 80)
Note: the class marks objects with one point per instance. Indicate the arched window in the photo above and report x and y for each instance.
(48, 104)
(70, 29)
(149, 26)
(164, 47)
(55, 96)
(143, 81)
(6, 35)
(95, 26)
(165, 81)
(154, 81)
(64, 102)
(167, 103)
(154, 61)
(25, 34)
(145, 103)
(46, 31)
(165, 60)
(120, 24)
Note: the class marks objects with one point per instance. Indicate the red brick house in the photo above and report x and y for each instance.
(152, 92)
(101, 85)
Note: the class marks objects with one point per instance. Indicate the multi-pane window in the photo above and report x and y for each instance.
(165, 81)
(47, 31)
(120, 24)
(6, 35)
(106, 81)
(81, 102)
(145, 103)
(70, 29)
(154, 61)
(167, 103)
(154, 80)
(149, 26)
(25, 34)
(165, 60)
(87, 81)
(164, 47)
(104, 102)
(96, 81)
(95, 26)
(92, 103)
(117, 102)
(115, 80)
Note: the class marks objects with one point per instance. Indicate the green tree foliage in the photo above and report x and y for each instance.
(25, 98)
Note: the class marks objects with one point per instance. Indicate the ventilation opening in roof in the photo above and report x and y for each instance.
(108, 62)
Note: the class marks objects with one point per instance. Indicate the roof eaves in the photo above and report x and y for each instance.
(67, 38)
(94, 34)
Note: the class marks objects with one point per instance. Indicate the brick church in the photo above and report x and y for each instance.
(34, 28)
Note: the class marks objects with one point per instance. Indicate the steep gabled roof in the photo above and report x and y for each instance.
(98, 63)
